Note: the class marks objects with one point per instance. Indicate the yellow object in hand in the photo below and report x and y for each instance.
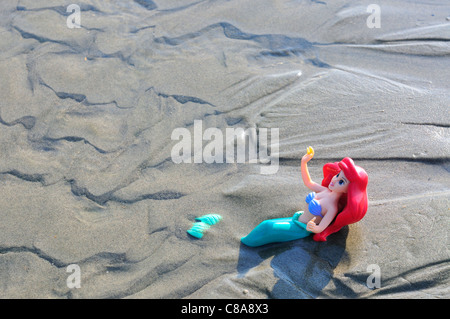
(310, 151)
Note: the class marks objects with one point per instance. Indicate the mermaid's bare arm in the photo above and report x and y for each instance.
(305, 174)
(324, 223)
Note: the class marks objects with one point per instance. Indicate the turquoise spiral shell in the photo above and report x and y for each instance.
(210, 219)
(197, 229)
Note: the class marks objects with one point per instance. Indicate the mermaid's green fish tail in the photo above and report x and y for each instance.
(276, 230)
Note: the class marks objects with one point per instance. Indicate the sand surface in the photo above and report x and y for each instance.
(87, 177)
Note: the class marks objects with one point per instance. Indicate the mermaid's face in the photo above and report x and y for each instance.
(339, 183)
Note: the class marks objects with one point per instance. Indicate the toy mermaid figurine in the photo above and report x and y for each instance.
(341, 199)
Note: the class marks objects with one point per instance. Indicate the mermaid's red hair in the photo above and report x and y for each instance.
(353, 204)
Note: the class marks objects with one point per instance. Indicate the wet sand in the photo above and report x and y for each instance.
(87, 178)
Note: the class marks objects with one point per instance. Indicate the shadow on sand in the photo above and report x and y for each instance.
(303, 267)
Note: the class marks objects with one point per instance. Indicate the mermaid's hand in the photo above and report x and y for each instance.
(313, 227)
(309, 155)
